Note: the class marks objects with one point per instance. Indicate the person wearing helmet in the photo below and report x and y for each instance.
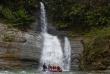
(58, 67)
(55, 67)
(49, 67)
(44, 67)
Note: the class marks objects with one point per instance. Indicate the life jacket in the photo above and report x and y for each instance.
(55, 67)
(48, 66)
(44, 66)
(58, 68)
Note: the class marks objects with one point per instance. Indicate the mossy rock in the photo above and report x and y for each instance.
(8, 38)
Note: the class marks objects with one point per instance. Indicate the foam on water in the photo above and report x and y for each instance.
(39, 72)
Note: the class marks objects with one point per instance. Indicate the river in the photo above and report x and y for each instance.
(39, 72)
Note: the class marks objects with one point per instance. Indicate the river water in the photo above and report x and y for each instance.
(39, 72)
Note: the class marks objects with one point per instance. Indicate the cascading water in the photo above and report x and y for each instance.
(51, 51)
(43, 18)
(67, 52)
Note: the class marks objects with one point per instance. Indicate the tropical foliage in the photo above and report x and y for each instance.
(82, 13)
(18, 13)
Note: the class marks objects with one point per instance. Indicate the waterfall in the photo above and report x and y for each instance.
(43, 18)
(67, 52)
(51, 51)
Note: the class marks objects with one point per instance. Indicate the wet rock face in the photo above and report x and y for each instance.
(19, 50)
(76, 51)
(22, 50)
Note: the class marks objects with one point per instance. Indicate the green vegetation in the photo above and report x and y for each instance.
(18, 13)
(84, 14)
(97, 49)
(91, 17)
(66, 14)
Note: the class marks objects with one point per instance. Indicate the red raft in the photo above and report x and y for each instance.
(55, 70)
(52, 70)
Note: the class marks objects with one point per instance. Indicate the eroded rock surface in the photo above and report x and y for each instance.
(76, 51)
(19, 50)
(22, 50)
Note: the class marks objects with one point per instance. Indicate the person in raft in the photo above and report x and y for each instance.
(49, 67)
(44, 67)
(54, 67)
(58, 68)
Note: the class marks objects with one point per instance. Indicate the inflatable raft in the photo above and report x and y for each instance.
(55, 70)
(52, 70)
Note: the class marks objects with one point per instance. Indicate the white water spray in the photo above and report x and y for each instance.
(43, 18)
(67, 52)
(51, 50)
